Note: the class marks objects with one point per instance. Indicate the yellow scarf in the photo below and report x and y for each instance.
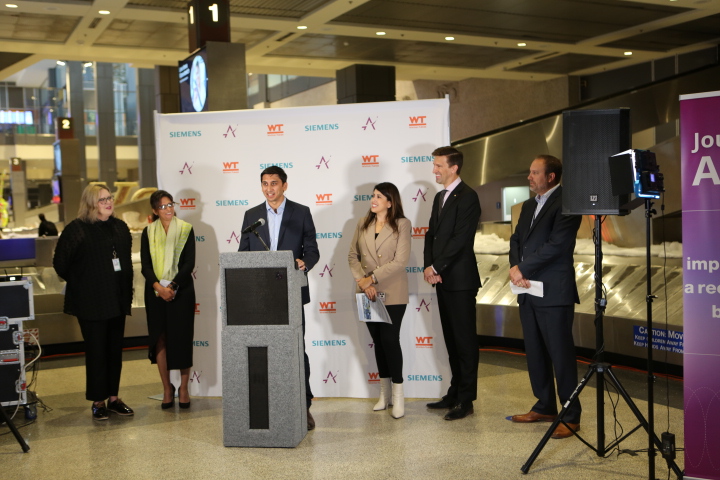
(165, 248)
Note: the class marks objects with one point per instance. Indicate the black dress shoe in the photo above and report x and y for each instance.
(119, 407)
(310, 420)
(171, 403)
(444, 402)
(99, 411)
(461, 410)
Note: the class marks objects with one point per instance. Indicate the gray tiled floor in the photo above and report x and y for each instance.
(350, 441)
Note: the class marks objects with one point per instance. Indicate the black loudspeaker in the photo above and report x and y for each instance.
(365, 83)
(590, 138)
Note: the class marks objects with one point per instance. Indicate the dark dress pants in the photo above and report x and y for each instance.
(550, 347)
(103, 356)
(386, 338)
(457, 317)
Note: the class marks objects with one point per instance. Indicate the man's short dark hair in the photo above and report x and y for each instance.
(41, 216)
(453, 155)
(552, 165)
(275, 170)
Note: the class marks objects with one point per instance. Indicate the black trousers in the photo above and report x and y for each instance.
(550, 348)
(457, 317)
(103, 356)
(308, 391)
(386, 338)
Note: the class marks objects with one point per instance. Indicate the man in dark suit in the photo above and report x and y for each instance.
(541, 249)
(288, 226)
(451, 267)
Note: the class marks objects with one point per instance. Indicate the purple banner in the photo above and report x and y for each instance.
(700, 157)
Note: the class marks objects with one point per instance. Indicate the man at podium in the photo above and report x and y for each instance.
(283, 225)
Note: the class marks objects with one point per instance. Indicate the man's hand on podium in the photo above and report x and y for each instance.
(300, 264)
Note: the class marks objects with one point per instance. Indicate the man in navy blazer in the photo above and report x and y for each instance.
(541, 249)
(288, 226)
(450, 266)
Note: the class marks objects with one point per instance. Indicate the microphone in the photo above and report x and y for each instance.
(259, 223)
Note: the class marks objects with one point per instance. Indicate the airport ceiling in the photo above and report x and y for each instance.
(501, 39)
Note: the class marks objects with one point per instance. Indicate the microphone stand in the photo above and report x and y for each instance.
(261, 240)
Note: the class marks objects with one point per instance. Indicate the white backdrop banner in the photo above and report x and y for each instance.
(333, 155)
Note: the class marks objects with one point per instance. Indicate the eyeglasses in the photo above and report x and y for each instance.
(168, 205)
(105, 200)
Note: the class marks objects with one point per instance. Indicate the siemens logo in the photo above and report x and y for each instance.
(187, 133)
(424, 378)
(329, 343)
(423, 158)
(414, 269)
(199, 238)
(201, 343)
(327, 126)
(230, 203)
(263, 166)
(328, 235)
(363, 198)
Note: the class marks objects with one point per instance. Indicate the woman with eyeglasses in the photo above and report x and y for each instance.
(167, 252)
(94, 256)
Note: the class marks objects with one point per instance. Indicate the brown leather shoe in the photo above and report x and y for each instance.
(531, 417)
(310, 420)
(564, 432)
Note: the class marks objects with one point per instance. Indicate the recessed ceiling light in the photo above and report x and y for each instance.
(449, 38)
(380, 33)
(104, 12)
(60, 62)
(87, 64)
(302, 27)
(522, 44)
(11, 5)
(628, 53)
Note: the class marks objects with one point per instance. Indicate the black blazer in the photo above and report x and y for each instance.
(297, 233)
(450, 239)
(544, 252)
(83, 258)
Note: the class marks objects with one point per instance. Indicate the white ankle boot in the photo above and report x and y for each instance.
(384, 399)
(398, 400)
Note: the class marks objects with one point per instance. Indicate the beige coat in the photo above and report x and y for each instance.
(386, 257)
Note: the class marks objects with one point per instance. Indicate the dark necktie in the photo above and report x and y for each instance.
(441, 199)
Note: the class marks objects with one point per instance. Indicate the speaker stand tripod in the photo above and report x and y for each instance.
(604, 374)
(4, 417)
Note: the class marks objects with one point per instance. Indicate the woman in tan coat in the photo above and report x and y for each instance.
(379, 253)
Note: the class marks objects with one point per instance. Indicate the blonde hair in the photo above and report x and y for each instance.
(88, 211)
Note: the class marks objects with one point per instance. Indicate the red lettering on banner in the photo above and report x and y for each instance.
(418, 122)
(328, 307)
(423, 342)
(187, 204)
(419, 232)
(276, 129)
(323, 199)
(230, 167)
(374, 377)
(370, 161)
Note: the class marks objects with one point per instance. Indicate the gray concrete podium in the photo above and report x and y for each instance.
(263, 373)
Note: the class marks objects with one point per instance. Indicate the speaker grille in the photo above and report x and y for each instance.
(590, 138)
